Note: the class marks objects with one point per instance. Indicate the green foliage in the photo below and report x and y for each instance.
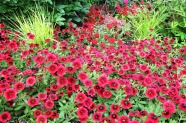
(175, 24)
(63, 11)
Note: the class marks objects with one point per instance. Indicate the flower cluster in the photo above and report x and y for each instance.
(105, 82)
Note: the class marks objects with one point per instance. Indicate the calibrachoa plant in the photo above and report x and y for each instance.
(79, 79)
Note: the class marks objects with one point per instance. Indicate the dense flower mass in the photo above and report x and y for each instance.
(88, 75)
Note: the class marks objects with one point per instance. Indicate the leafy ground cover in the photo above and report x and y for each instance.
(92, 73)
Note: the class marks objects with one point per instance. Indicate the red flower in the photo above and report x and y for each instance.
(76, 64)
(42, 96)
(30, 81)
(54, 115)
(142, 113)
(123, 119)
(19, 86)
(107, 94)
(166, 114)
(54, 87)
(91, 92)
(88, 83)
(114, 108)
(51, 57)
(37, 113)
(52, 68)
(101, 108)
(113, 116)
(30, 36)
(169, 106)
(10, 94)
(41, 119)
(88, 102)
(33, 102)
(80, 97)
(70, 69)
(97, 117)
(62, 81)
(182, 106)
(82, 112)
(111, 40)
(103, 80)
(61, 71)
(151, 93)
(113, 84)
(126, 104)
(4, 117)
(82, 76)
(39, 59)
(153, 118)
(48, 113)
(49, 104)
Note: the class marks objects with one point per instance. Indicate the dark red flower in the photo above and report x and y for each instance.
(142, 113)
(169, 106)
(48, 113)
(101, 108)
(166, 114)
(5, 116)
(10, 94)
(54, 115)
(97, 117)
(126, 104)
(182, 106)
(113, 117)
(114, 108)
(54, 87)
(37, 113)
(76, 64)
(42, 96)
(88, 83)
(61, 71)
(123, 119)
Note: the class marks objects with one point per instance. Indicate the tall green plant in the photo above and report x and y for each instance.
(36, 23)
(146, 22)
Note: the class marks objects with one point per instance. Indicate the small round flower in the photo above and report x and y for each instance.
(82, 112)
(107, 94)
(51, 57)
(102, 80)
(37, 113)
(30, 81)
(61, 71)
(82, 76)
(114, 108)
(97, 117)
(5, 116)
(49, 104)
(101, 108)
(76, 64)
(33, 102)
(19, 86)
(52, 68)
(166, 114)
(123, 119)
(54, 115)
(62, 81)
(151, 93)
(10, 94)
(41, 119)
(39, 59)
(113, 116)
(142, 113)
(54, 87)
(169, 106)
(182, 106)
(42, 96)
(88, 83)
(48, 113)
(81, 97)
(126, 104)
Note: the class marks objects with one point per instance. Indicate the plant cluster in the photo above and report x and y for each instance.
(93, 73)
